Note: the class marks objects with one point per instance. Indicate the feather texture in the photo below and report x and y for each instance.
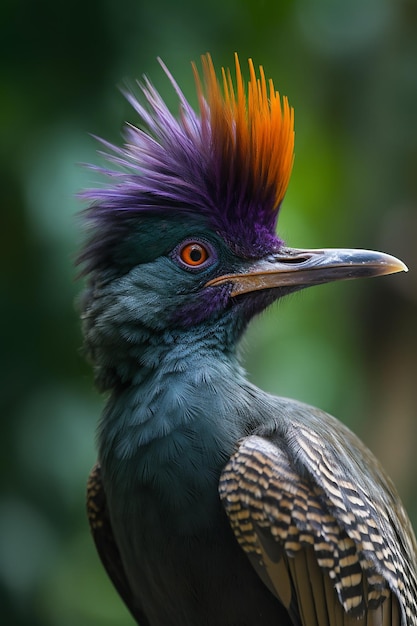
(230, 164)
(327, 530)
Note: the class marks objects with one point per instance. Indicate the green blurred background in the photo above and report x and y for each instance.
(350, 71)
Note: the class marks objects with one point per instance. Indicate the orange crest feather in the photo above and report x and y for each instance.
(252, 126)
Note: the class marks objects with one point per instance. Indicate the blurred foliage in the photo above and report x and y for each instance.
(350, 71)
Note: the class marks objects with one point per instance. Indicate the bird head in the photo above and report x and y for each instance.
(184, 233)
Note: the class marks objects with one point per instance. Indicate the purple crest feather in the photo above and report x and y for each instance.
(230, 163)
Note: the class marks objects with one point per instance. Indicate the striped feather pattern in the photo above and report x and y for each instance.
(317, 544)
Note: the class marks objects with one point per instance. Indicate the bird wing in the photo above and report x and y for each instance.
(330, 552)
(105, 542)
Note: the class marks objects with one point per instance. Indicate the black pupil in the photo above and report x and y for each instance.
(196, 254)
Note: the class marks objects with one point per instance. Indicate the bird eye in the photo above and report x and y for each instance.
(194, 255)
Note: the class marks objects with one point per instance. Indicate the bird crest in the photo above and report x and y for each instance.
(248, 129)
(229, 162)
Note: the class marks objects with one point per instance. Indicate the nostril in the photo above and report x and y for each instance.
(290, 260)
(294, 260)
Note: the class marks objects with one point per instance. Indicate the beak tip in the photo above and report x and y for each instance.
(398, 266)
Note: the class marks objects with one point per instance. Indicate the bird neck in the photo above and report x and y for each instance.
(174, 423)
(165, 380)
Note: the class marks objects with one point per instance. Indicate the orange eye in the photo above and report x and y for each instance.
(194, 254)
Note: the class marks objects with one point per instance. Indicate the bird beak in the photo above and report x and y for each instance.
(297, 268)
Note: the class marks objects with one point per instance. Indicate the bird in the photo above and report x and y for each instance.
(212, 502)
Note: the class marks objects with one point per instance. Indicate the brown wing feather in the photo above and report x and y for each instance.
(106, 545)
(299, 545)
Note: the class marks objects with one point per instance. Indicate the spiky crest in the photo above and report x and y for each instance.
(251, 128)
(230, 164)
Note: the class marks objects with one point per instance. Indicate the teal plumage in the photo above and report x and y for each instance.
(212, 502)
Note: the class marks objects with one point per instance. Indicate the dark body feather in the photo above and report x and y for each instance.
(177, 550)
(165, 505)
